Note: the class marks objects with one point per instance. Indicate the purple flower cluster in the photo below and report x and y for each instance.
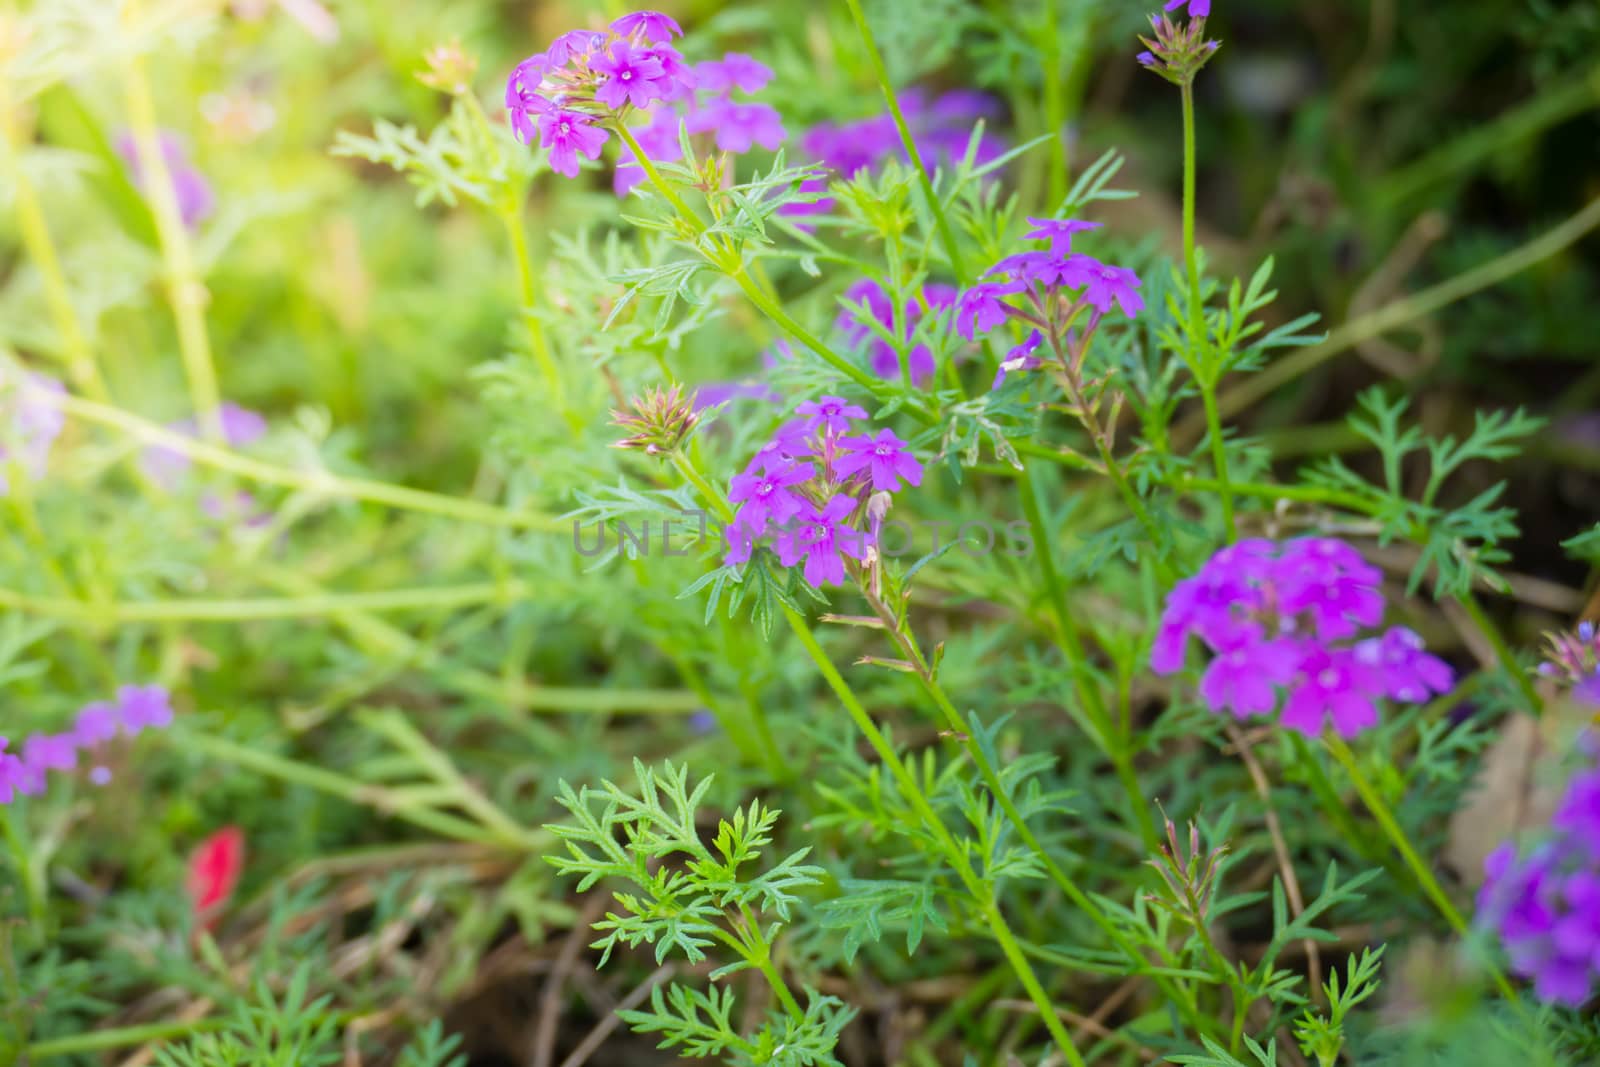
(940, 127)
(1574, 659)
(195, 199)
(136, 709)
(709, 110)
(880, 307)
(30, 421)
(558, 95)
(1545, 907)
(804, 489)
(1282, 621)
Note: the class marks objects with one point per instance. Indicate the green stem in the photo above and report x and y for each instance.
(122, 1037)
(31, 877)
(512, 220)
(1055, 109)
(1284, 371)
(1503, 653)
(1397, 837)
(81, 367)
(946, 234)
(185, 291)
(317, 482)
(1200, 358)
(954, 851)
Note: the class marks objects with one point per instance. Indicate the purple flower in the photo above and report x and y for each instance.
(792, 441)
(714, 393)
(1579, 813)
(831, 412)
(1332, 686)
(167, 466)
(630, 77)
(1197, 8)
(1407, 671)
(769, 497)
(1036, 268)
(741, 542)
(1246, 679)
(820, 538)
(96, 724)
(733, 71)
(980, 309)
(653, 26)
(522, 95)
(189, 186)
(739, 127)
(1273, 615)
(566, 134)
(884, 457)
(143, 707)
(1058, 232)
(51, 752)
(1103, 284)
(1020, 358)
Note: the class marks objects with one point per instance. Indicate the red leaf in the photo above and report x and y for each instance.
(214, 869)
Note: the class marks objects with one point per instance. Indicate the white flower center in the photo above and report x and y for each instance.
(884, 450)
(1328, 678)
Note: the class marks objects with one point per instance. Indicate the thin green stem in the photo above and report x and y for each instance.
(82, 370)
(122, 1037)
(954, 851)
(1502, 651)
(185, 291)
(1358, 331)
(1200, 358)
(529, 293)
(28, 873)
(1397, 837)
(318, 482)
(946, 234)
(1055, 104)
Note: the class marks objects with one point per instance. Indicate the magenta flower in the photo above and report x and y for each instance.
(980, 309)
(741, 543)
(143, 707)
(712, 394)
(789, 443)
(653, 26)
(1020, 358)
(769, 497)
(1272, 615)
(1332, 686)
(567, 134)
(831, 412)
(1034, 268)
(1058, 232)
(739, 127)
(821, 539)
(522, 97)
(1197, 8)
(1103, 284)
(735, 70)
(138, 708)
(574, 44)
(630, 77)
(1545, 907)
(884, 458)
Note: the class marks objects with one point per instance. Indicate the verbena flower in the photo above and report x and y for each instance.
(941, 129)
(707, 110)
(880, 307)
(832, 412)
(712, 394)
(1020, 358)
(982, 307)
(1102, 284)
(137, 708)
(1277, 618)
(768, 496)
(1197, 8)
(588, 77)
(884, 458)
(1545, 906)
(807, 491)
(193, 193)
(1058, 232)
(821, 539)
